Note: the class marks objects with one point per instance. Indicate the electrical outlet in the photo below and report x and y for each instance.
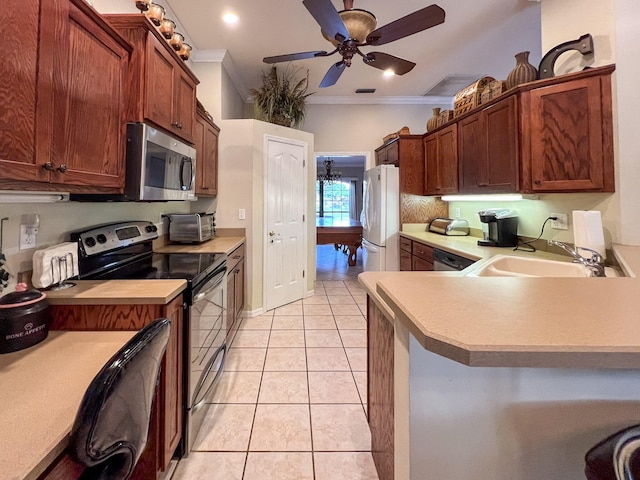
(562, 222)
(28, 234)
(457, 212)
(241, 214)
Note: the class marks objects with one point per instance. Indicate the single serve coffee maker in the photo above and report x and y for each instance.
(499, 227)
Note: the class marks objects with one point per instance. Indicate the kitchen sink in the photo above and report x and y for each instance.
(513, 266)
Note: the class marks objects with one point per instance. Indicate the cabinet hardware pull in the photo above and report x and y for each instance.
(177, 124)
(236, 256)
(483, 184)
(62, 168)
(49, 166)
(537, 182)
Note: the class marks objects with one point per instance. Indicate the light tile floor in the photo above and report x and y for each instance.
(291, 403)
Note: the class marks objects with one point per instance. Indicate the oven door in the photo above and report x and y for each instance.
(207, 347)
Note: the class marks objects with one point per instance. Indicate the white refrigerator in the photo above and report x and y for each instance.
(380, 219)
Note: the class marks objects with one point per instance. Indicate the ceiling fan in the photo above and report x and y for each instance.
(352, 28)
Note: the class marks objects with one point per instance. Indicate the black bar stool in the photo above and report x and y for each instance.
(112, 424)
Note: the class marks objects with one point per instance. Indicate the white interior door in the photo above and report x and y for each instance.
(285, 207)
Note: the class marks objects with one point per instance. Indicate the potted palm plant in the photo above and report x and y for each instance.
(281, 99)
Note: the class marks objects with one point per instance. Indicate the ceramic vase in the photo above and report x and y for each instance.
(433, 121)
(523, 72)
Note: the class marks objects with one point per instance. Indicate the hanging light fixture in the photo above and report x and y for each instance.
(330, 175)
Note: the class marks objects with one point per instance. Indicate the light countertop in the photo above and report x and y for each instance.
(41, 390)
(518, 321)
(215, 245)
(118, 292)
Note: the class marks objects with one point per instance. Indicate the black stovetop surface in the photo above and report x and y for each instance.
(193, 267)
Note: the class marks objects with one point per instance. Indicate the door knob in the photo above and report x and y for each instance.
(271, 233)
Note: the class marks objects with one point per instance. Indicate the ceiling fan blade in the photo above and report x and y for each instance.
(327, 17)
(384, 61)
(403, 27)
(333, 74)
(294, 56)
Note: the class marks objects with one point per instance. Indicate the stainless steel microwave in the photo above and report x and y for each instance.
(159, 167)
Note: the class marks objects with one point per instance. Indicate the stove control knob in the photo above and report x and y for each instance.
(151, 228)
(102, 238)
(90, 242)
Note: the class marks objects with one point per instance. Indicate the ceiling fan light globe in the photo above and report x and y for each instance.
(359, 23)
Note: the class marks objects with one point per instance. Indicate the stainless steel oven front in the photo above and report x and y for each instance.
(207, 350)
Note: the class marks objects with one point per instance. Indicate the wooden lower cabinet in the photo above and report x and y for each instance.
(415, 256)
(380, 390)
(165, 431)
(235, 291)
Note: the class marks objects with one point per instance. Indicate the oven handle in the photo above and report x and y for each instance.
(198, 403)
(211, 285)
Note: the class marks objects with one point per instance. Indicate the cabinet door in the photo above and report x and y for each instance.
(431, 181)
(441, 160)
(89, 102)
(172, 379)
(502, 158)
(411, 163)
(380, 394)
(185, 106)
(18, 91)
(570, 147)
(405, 261)
(420, 265)
(381, 156)
(159, 80)
(206, 139)
(231, 307)
(472, 154)
(393, 153)
(448, 159)
(488, 150)
(239, 289)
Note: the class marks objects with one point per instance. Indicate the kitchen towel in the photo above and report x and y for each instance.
(54, 264)
(587, 231)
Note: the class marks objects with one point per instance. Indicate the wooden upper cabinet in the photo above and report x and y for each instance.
(89, 128)
(20, 20)
(65, 121)
(163, 88)
(570, 136)
(406, 152)
(441, 160)
(206, 136)
(488, 149)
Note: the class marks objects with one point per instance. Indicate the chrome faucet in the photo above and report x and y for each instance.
(595, 263)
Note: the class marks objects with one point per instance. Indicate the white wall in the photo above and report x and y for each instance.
(241, 185)
(627, 106)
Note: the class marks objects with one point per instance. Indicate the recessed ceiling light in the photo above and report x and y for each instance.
(230, 18)
(389, 73)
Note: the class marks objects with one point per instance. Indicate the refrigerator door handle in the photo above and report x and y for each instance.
(370, 246)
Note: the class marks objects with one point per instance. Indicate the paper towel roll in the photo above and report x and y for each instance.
(587, 231)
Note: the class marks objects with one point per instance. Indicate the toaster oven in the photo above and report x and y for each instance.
(191, 227)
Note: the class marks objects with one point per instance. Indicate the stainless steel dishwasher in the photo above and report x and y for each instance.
(445, 261)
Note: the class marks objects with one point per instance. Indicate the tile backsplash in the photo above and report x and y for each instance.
(417, 209)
